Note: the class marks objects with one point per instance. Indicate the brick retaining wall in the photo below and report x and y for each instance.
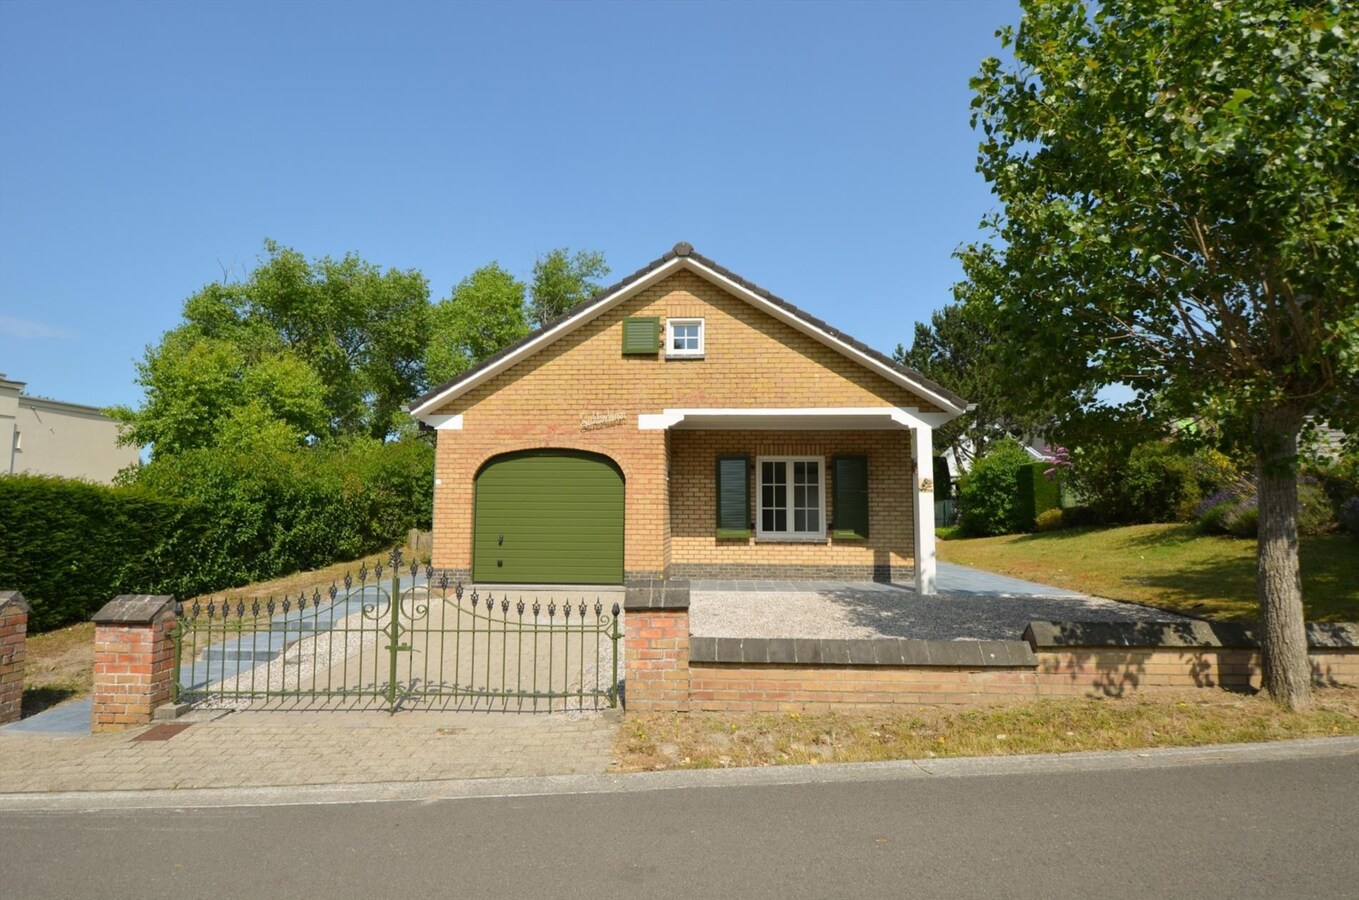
(669, 670)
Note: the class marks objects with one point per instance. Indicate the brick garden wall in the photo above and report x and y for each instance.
(1102, 660)
(14, 612)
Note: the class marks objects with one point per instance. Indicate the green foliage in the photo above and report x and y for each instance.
(1050, 520)
(1154, 482)
(72, 546)
(1199, 244)
(1180, 214)
(960, 350)
(484, 314)
(1315, 513)
(561, 281)
(270, 511)
(328, 347)
(207, 519)
(988, 495)
(1038, 493)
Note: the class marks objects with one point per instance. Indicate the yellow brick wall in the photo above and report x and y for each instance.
(1101, 672)
(693, 500)
(751, 361)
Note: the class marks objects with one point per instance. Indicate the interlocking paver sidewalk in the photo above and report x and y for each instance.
(260, 749)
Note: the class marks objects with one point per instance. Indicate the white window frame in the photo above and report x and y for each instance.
(670, 352)
(791, 536)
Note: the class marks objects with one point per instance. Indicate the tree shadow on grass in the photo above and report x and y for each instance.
(1225, 588)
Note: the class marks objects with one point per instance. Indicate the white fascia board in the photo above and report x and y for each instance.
(826, 338)
(560, 330)
(444, 423)
(906, 417)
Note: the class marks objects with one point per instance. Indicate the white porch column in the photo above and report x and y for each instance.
(922, 492)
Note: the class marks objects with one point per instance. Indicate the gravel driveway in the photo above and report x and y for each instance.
(864, 610)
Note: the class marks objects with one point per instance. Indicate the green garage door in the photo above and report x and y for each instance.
(549, 516)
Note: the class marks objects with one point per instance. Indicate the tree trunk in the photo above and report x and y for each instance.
(1287, 671)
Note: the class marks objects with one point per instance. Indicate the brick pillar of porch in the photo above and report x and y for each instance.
(133, 660)
(14, 612)
(656, 645)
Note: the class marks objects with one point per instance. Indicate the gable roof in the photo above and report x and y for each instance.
(683, 257)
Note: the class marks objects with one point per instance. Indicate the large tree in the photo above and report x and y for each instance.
(958, 348)
(561, 280)
(484, 313)
(332, 348)
(1180, 190)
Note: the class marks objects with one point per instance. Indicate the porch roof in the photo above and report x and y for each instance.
(885, 418)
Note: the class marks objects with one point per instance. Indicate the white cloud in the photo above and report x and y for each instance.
(27, 329)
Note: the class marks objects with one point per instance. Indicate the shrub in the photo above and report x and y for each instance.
(71, 546)
(1154, 483)
(1050, 520)
(1038, 493)
(1315, 514)
(1080, 516)
(1235, 510)
(1349, 516)
(205, 520)
(1212, 512)
(989, 494)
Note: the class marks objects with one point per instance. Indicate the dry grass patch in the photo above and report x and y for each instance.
(710, 740)
(58, 666)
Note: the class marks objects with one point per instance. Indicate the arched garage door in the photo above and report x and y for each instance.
(549, 516)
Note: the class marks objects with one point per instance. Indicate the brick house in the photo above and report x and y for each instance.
(686, 423)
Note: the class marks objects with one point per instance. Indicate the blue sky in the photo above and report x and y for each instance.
(822, 151)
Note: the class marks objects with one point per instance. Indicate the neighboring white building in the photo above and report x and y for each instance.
(49, 437)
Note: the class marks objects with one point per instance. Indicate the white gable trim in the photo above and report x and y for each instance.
(661, 272)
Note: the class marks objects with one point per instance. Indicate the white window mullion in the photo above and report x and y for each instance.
(792, 498)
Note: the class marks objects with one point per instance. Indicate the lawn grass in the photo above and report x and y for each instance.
(1182, 719)
(1172, 567)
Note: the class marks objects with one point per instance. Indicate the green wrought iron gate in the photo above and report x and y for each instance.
(416, 641)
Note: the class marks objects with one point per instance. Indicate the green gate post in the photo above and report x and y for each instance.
(393, 628)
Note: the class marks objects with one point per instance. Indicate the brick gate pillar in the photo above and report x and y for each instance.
(14, 612)
(133, 660)
(656, 645)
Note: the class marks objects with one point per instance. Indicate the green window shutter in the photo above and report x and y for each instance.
(642, 335)
(850, 484)
(733, 496)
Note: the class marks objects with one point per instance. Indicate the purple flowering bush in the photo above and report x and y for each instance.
(1235, 510)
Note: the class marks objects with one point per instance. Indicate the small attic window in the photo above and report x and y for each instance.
(683, 338)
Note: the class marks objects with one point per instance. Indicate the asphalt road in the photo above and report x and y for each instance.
(1276, 829)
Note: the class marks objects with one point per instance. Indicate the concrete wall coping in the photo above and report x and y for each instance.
(861, 652)
(12, 602)
(656, 593)
(134, 609)
(1229, 635)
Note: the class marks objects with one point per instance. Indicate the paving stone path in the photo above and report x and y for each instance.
(258, 749)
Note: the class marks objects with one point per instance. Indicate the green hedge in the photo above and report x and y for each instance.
(1037, 494)
(207, 520)
(71, 546)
